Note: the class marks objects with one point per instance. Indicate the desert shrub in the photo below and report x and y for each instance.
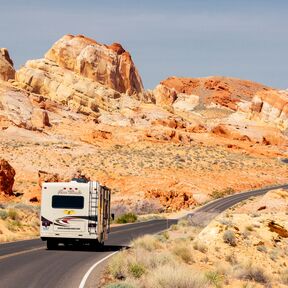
(147, 242)
(253, 273)
(183, 252)
(229, 237)
(174, 227)
(163, 237)
(249, 228)
(221, 193)
(231, 258)
(284, 276)
(136, 269)
(274, 254)
(3, 214)
(214, 278)
(183, 222)
(179, 276)
(262, 248)
(12, 214)
(200, 246)
(224, 269)
(126, 218)
(14, 225)
(119, 285)
(153, 259)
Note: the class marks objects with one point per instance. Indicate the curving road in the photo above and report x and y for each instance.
(29, 264)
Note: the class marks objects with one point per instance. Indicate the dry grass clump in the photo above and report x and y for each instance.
(284, 276)
(176, 276)
(252, 272)
(200, 246)
(148, 242)
(183, 251)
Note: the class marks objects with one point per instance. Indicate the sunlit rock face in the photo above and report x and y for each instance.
(83, 74)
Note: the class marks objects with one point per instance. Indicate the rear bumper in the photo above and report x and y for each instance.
(71, 240)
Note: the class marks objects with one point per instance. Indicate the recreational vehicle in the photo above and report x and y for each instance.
(74, 213)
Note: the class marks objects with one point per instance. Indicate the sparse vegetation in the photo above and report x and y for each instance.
(284, 276)
(126, 218)
(183, 251)
(3, 214)
(200, 246)
(229, 237)
(253, 273)
(214, 278)
(222, 193)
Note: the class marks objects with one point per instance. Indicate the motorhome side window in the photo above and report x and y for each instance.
(68, 202)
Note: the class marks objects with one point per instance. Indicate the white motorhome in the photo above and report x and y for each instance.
(73, 212)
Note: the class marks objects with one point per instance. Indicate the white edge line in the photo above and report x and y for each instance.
(84, 279)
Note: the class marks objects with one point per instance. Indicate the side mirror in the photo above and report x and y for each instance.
(113, 216)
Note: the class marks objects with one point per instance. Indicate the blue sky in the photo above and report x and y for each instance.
(244, 39)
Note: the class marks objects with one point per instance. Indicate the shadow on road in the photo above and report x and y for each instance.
(89, 248)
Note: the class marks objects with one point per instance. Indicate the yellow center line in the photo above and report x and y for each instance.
(20, 252)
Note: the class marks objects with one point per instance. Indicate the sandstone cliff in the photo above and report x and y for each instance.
(272, 107)
(83, 74)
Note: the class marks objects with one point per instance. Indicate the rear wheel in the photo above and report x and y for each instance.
(52, 244)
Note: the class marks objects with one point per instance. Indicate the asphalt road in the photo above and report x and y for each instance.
(28, 263)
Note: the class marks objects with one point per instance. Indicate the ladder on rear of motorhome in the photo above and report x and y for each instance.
(93, 207)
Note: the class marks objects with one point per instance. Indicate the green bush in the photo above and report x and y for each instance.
(214, 278)
(12, 214)
(3, 214)
(221, 193)
(14, 225)
(126, 218)
(136, 270)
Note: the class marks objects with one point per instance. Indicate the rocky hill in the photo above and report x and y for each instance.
(245, 246)
(83, 106)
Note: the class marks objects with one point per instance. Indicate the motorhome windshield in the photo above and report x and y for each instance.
(68, 202)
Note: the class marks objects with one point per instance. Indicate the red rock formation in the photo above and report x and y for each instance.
(224, 91)
(7, 174)
(172, 200)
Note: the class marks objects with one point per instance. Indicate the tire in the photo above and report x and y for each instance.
(51, 244)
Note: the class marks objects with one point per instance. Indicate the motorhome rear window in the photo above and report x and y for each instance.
(68, 202)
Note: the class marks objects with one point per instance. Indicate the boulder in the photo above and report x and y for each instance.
(272, 107)
(39, 118)
(7, 174)
(44, 176)
(6, 65)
